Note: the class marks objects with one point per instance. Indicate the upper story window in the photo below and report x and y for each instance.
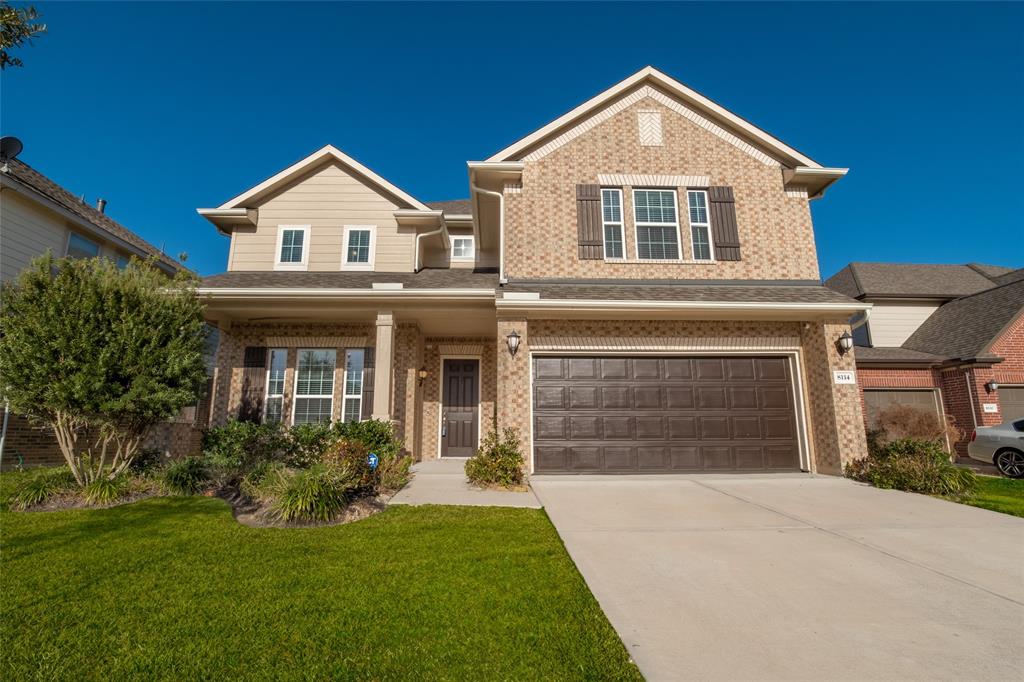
(292, 247)
(359, 247)
(657, 224)
(611, 219)
(314, 386)
(462, 248)
(80, 247)
(700, 227)
(274, 404)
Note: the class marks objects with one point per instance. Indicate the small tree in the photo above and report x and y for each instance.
(91, 350)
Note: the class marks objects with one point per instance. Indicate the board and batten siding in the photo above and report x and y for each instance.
(326, 199)
(27, 230)
(892, 323)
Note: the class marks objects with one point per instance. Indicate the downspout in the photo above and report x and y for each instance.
(501, 229)
(862, 321)
(970, 399)
(3, 432)
(440, 230)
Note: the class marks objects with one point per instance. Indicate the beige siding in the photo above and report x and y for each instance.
(434, 256)
(891, 324)
(27, 230)
(326, 199)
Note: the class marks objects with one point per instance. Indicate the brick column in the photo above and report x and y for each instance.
(408, 360)
(513, 389)
(383, 371)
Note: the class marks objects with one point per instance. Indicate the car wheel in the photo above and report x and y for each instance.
(1010, 463)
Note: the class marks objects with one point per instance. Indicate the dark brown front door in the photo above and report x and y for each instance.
(663, 415)
(460, 407)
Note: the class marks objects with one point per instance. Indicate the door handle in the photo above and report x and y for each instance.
(444, 425)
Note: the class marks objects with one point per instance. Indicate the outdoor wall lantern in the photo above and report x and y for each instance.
(845, 343)
(513, 342)
(422, 374)
(992, 386)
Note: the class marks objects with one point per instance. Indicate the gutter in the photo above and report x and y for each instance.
(635, 306)
(501, 229)
(277, 292)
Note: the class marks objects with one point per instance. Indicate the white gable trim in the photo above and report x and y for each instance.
(688, 95)
(317, 157)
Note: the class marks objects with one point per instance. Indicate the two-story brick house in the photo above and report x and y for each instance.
(634, 287)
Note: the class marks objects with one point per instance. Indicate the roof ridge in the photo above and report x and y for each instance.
(990, 289)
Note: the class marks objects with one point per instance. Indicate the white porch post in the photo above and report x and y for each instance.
(383, 373)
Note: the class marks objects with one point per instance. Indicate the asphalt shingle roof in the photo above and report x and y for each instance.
(429, 278)
(891, 354)
(914, 279)
(30, 177)
(736, 293)
(453, 207)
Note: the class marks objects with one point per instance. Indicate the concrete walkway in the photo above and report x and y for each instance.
(796, 577)
(443, 481)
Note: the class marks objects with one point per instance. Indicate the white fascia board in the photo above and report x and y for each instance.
(578, 304)
(673, 86)
(326, 152)
(274, 292)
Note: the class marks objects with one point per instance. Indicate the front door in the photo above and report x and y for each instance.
(460, 407)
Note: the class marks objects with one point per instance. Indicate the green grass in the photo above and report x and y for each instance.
(174, 588)
(1004, 495)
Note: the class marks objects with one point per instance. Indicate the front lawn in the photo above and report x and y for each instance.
(1004, 495)
(174, 588)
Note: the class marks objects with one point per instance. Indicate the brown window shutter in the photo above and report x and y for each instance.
(254, 378)
(589, 233)
(724, 232)
(369, 357)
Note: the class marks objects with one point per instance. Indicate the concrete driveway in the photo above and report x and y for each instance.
(796, 577)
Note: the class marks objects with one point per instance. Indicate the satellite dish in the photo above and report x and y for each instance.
(10, 147)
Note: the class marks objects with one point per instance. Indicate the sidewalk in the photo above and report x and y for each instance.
(443, 481)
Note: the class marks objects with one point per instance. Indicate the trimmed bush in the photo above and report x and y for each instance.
(233, 449)
(307, 443)
(498, 461)
(898, 422)
(145, 461)
(42, 486)
(106, 490)
(186, 476)
(318, 493)
(914, 465)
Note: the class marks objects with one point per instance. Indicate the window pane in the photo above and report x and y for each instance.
(354, 372)
(611, 201)
(701, 247)
(312, 410)
(358, 246)
(275, 409)
(278, 362)
(80, 247)
(462, 248)
(654, 206)
(315, 372)
(353, 409)
(657, 242)
(698, 207)
(613, 241)
(291, 246)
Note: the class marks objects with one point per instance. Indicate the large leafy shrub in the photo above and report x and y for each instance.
(99, 355)
(498, 461)
(186, 476)
(238, 446)
(915, 465)
(307, 443)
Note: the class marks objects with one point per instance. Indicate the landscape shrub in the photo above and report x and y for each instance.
(498, 461)
(914, 465)
(106, 490)
(318, 493)
(235, 448)
(186, 476)
(898, 422)
(260, 482)
(146, 461)
(42, 486)
(392, 472)
(307, 443)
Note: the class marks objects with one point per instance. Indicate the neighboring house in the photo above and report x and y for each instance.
(634, 287)
(948, 339)
(38, 215)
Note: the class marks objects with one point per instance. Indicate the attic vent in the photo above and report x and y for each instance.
(649, 123)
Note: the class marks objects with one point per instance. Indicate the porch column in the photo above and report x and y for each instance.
(383, 371)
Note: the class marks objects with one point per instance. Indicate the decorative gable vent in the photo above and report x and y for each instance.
(650, 128)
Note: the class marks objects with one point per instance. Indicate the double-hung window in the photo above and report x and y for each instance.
(611, 220)
(274, 405)
(700, 227)
(80, 247)
(292, 247)
(657, 224)
(462, 248)
(355, 359)
(358, 247)
(314, 385)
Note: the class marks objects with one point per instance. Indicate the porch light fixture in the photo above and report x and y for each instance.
(991, 386)
(513, 342)
(422, 373)
(845, 343)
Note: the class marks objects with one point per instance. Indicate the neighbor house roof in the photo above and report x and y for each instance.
(967, 327)
(61, 199)
(453, 207)
(914, 280)
(871, 354)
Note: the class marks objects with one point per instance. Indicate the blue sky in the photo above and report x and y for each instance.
(162, 108)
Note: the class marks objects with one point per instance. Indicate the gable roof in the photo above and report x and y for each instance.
(692, 98)
(36, 182)
(453, 207)
(967, 327)
(299, 167)
(913, 280)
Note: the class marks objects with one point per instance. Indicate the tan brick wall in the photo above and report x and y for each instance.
(431, 401)
(406, 400)
(513, 394)
(775, 229)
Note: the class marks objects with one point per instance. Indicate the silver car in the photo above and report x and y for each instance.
(1001, 445)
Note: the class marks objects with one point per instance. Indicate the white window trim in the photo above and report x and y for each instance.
(621, 224)
(302, 265)
(468, 237)
(266, 387)
(67, 245)
(345, 265)
(345, 395)
(707, 210)
(295, 388)
(637, 224)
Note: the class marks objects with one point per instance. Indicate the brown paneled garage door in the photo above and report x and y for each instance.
(615, 415)
(1011, 399)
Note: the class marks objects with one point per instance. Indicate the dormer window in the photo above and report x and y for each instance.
(359, 247)
(292, 247)
(462, 248)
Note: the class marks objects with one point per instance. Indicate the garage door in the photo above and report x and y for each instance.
(1011, 402)
(877, 400)
(620, 415)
